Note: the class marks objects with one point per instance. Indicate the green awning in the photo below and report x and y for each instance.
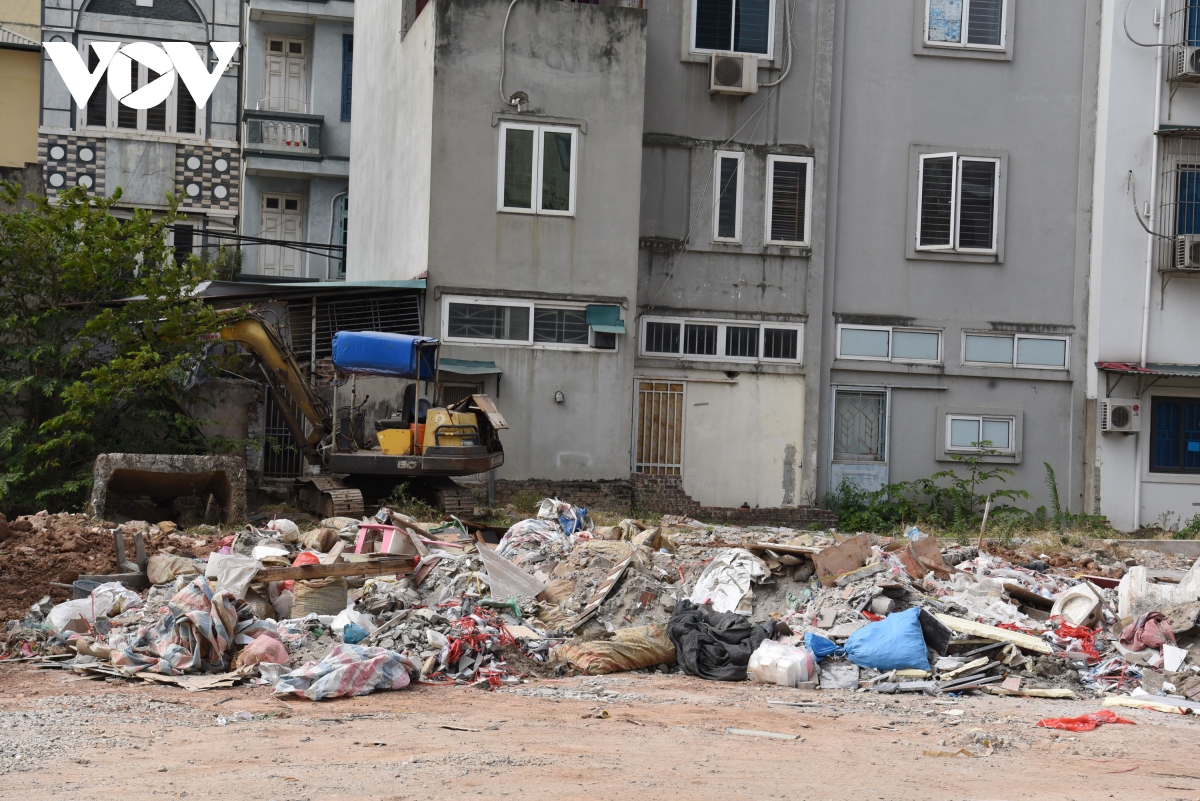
(468, 367)
(606, 319)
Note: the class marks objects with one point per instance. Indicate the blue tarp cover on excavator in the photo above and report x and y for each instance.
(377, 353)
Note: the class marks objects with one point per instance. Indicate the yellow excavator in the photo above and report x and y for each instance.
(422, 444)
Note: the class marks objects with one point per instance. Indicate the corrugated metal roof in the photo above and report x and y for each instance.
(1159, 370)
(13, 39)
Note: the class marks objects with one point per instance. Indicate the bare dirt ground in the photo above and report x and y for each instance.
(666, 739)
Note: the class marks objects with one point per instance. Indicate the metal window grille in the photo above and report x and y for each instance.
(1178, 215)
(395, 314)
(659, 428)
(859, 426)
(560, 326)
(281, 455)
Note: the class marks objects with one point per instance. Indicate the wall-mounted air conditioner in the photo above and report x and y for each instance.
(733, 74)
(1185, 65)
(1187, 252)
(1120, 417)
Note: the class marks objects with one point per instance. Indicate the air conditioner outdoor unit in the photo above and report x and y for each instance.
(1120, 416)
(1187, 63)
(733, 74)
(1187, 252)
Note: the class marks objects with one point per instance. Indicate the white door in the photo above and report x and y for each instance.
(281, 221)
(286, 75)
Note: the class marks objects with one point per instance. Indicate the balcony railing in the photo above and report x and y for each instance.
(283, 131)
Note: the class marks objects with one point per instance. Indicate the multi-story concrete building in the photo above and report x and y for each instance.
(20, 81)
(1143, 360)
(732, 249)
(958, 225)
(298, 67)
(522, 212)
(173, 147)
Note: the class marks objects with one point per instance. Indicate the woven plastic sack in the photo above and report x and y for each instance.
(629, 649)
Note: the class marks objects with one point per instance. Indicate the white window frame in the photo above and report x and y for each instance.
(891, 329)
(956, 204)
(532, 306)
(962, 44)
(539, 139)
(770, 54)
(112, 105)
(981, 418)
(769, 206)
(722, 325)
(741, 180)
(1016, 338)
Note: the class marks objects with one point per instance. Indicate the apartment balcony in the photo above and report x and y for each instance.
(287, 133)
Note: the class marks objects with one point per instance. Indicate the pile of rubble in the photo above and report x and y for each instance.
(352, 606)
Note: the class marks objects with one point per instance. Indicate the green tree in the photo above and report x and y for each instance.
(100, 330)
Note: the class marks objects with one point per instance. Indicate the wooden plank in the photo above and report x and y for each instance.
(375, 567)
(794, 550)
(837, 560)
(602, 591)
(973, 629)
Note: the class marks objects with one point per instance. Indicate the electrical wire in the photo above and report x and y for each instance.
(787, 27)
(503, 39)
(1138, 214)
(1129, 36)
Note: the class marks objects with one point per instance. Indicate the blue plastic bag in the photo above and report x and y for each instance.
(820, 646)
(353, 634)
(894, 643)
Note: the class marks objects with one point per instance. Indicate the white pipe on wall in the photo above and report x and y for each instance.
(1152, 216)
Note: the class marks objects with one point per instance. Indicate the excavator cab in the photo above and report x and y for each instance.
(425, 443)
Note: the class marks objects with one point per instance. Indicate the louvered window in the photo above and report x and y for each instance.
(789, 198)
(957, 203)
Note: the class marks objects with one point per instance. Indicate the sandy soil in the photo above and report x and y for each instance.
(666, 738)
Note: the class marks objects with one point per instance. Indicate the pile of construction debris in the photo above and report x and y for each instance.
(352, 606)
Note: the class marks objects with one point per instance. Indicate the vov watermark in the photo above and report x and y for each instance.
(165, 60)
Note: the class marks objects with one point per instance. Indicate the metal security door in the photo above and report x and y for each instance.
(860, 438)
(658, 428)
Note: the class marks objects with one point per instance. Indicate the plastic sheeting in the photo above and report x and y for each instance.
(348, 670)
(378, 353)
(727, 579)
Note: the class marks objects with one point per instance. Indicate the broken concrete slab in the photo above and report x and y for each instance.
(165, 477)
(507, 580)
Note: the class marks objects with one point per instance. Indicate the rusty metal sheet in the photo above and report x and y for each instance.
(488, 407)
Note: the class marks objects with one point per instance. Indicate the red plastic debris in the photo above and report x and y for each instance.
(1083, 722)
(1085, 636)
(871, 616)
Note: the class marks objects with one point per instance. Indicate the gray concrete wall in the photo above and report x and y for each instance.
(685, 125)
(582, 65)
(391, 142)
(1036, 105)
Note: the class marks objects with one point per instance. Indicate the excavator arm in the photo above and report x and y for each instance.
(293, 395)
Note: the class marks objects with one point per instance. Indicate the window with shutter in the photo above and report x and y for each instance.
(956, 203)
(789, 197)
(936, 201)
(727, 201)
(347, 73)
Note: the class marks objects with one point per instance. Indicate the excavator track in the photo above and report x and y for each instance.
(452, 498)
(326, 496)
